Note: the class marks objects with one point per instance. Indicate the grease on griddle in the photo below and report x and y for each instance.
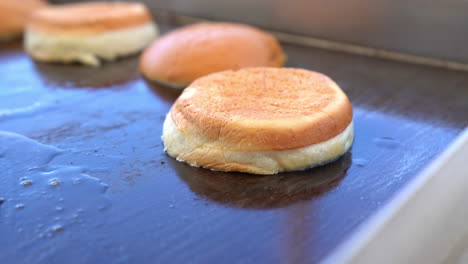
(54, 182)
(57, 228)
(26, 183)
(37, 208)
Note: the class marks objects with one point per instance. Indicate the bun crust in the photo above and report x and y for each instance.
(188, 53)
(89, 18)
(14, 14)
(263, 109)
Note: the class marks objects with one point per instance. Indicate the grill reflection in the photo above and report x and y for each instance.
(263, 192)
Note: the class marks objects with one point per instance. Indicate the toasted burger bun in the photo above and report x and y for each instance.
(88, 32)
(186, 54)
(260, 120)
(13, 16)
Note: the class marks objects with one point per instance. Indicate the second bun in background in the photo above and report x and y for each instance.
(185, 54)
(89, 32)
(13, 16)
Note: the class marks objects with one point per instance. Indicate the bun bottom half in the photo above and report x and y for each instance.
(199, 153)
(89, 49)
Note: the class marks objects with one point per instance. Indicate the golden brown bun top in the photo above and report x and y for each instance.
(262, 109)
(194, 51)
(14, 14)
(85, 18)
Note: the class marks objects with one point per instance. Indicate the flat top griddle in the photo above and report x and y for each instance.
(84, 179)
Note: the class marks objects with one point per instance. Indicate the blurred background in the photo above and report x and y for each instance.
(436, 29)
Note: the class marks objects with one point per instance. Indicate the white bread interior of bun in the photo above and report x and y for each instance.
(89, 49)
(198, 152)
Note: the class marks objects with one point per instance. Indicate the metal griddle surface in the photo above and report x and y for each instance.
(103, 191)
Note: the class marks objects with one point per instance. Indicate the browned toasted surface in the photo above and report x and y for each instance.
(263, 109)
(194, 51)
(14, 14)
(86, 18)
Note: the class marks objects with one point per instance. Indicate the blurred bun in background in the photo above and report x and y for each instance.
(89, 32)
(183, 55)
(14, 15)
